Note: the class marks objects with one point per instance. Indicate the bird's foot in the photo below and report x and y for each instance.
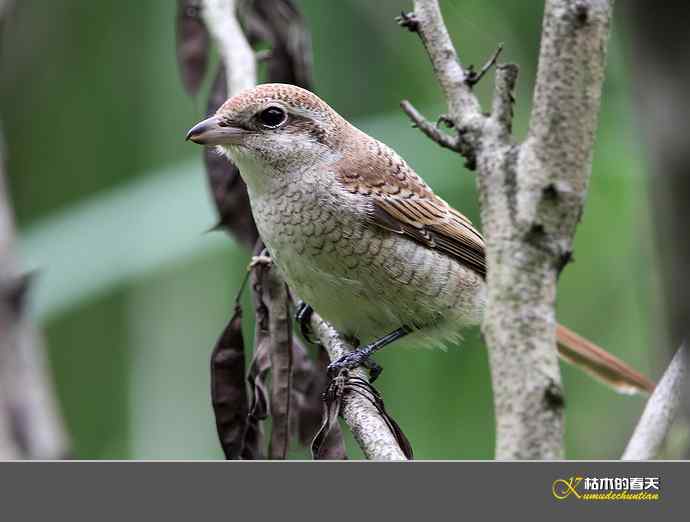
(444, 119)
(261, 259)
(408, 21)
(374, 368)
(358, 357)
(303, 318)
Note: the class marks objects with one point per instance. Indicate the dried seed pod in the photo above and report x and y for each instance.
(228, 389)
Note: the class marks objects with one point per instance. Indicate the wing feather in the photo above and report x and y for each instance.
(403, 203)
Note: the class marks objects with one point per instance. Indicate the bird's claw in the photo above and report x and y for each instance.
(374, 368)
(445, 120)
(349, 361)
(408, 20)
(303, 318)
(262, 259)
(338, 366)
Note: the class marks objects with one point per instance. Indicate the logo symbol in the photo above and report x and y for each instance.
(562, 488)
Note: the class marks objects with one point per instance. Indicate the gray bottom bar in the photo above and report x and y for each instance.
(337, 491)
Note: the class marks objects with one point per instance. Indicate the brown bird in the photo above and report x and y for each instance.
(359, 235)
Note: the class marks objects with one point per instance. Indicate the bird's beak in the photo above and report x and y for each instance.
(212, 131)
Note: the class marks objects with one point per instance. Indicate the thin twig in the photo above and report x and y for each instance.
(429, 129)
(473, 78)
(660, 410)
(30, 421)
(452, 77)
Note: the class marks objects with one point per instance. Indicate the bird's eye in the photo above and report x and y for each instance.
(272, 117)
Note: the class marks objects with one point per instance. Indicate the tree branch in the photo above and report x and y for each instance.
(473, 77)
(660, 410)
(562, 127)
(429, 129)
(452, 77)
(30, 422)
(238, 57)
(371, 431)
(536, 203)
(531, 198)
(660, 82)
(502, 107)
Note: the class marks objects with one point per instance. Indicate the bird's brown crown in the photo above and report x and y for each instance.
(292, 96)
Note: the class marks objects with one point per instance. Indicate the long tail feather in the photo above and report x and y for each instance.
(599, 363)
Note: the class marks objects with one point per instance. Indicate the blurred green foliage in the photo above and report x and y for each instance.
(90, 99)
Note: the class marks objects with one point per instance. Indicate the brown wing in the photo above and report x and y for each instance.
(404, 204)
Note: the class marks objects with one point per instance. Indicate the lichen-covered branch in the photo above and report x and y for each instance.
(369, 427)
(531, 203)
(660, 410)
(555, 161)
(531, 198)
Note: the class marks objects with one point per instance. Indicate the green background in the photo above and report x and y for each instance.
(94, 117)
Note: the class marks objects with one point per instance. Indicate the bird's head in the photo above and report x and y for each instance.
(272, 126)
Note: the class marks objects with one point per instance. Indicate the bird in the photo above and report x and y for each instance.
(359, 235)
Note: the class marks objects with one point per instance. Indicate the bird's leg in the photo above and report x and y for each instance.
(374, 368)
(360, 356)
(303, 317)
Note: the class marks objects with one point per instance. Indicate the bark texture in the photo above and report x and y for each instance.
(532, 195)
